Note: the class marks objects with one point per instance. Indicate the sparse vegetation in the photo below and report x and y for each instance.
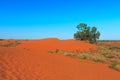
(11, 44)
(105, 54)
(115, 66)
(114, 47)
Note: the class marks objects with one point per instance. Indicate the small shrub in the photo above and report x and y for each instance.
(114, 47)
(85, 55)
(57, 51)
(107, 55)
(115, 66)
(98, 58)
(70, 54)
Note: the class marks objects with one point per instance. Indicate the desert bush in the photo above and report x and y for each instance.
(107, 55)
(99, 58)
(114, 47)
(69, 54)
(58, 51)
(115, 66)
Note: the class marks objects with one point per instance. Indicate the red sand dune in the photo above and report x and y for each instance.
(30, 60)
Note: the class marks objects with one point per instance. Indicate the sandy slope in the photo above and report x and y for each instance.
(31, 61)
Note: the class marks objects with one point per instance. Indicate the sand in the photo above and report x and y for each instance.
(31, 60)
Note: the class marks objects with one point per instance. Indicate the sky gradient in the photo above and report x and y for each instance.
(36, 19)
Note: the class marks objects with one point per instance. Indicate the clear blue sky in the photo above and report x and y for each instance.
(35, 19)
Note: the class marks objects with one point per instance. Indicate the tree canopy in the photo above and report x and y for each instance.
(86, 32)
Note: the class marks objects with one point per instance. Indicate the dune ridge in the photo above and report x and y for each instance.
(30, 60)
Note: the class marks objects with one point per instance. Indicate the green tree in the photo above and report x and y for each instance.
(87, 33)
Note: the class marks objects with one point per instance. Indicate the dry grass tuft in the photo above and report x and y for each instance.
(12, 44)
(115, 66)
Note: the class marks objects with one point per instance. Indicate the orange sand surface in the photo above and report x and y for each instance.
(31, 60)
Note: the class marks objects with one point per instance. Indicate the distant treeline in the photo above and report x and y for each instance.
(108, 40)
(2, 39)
